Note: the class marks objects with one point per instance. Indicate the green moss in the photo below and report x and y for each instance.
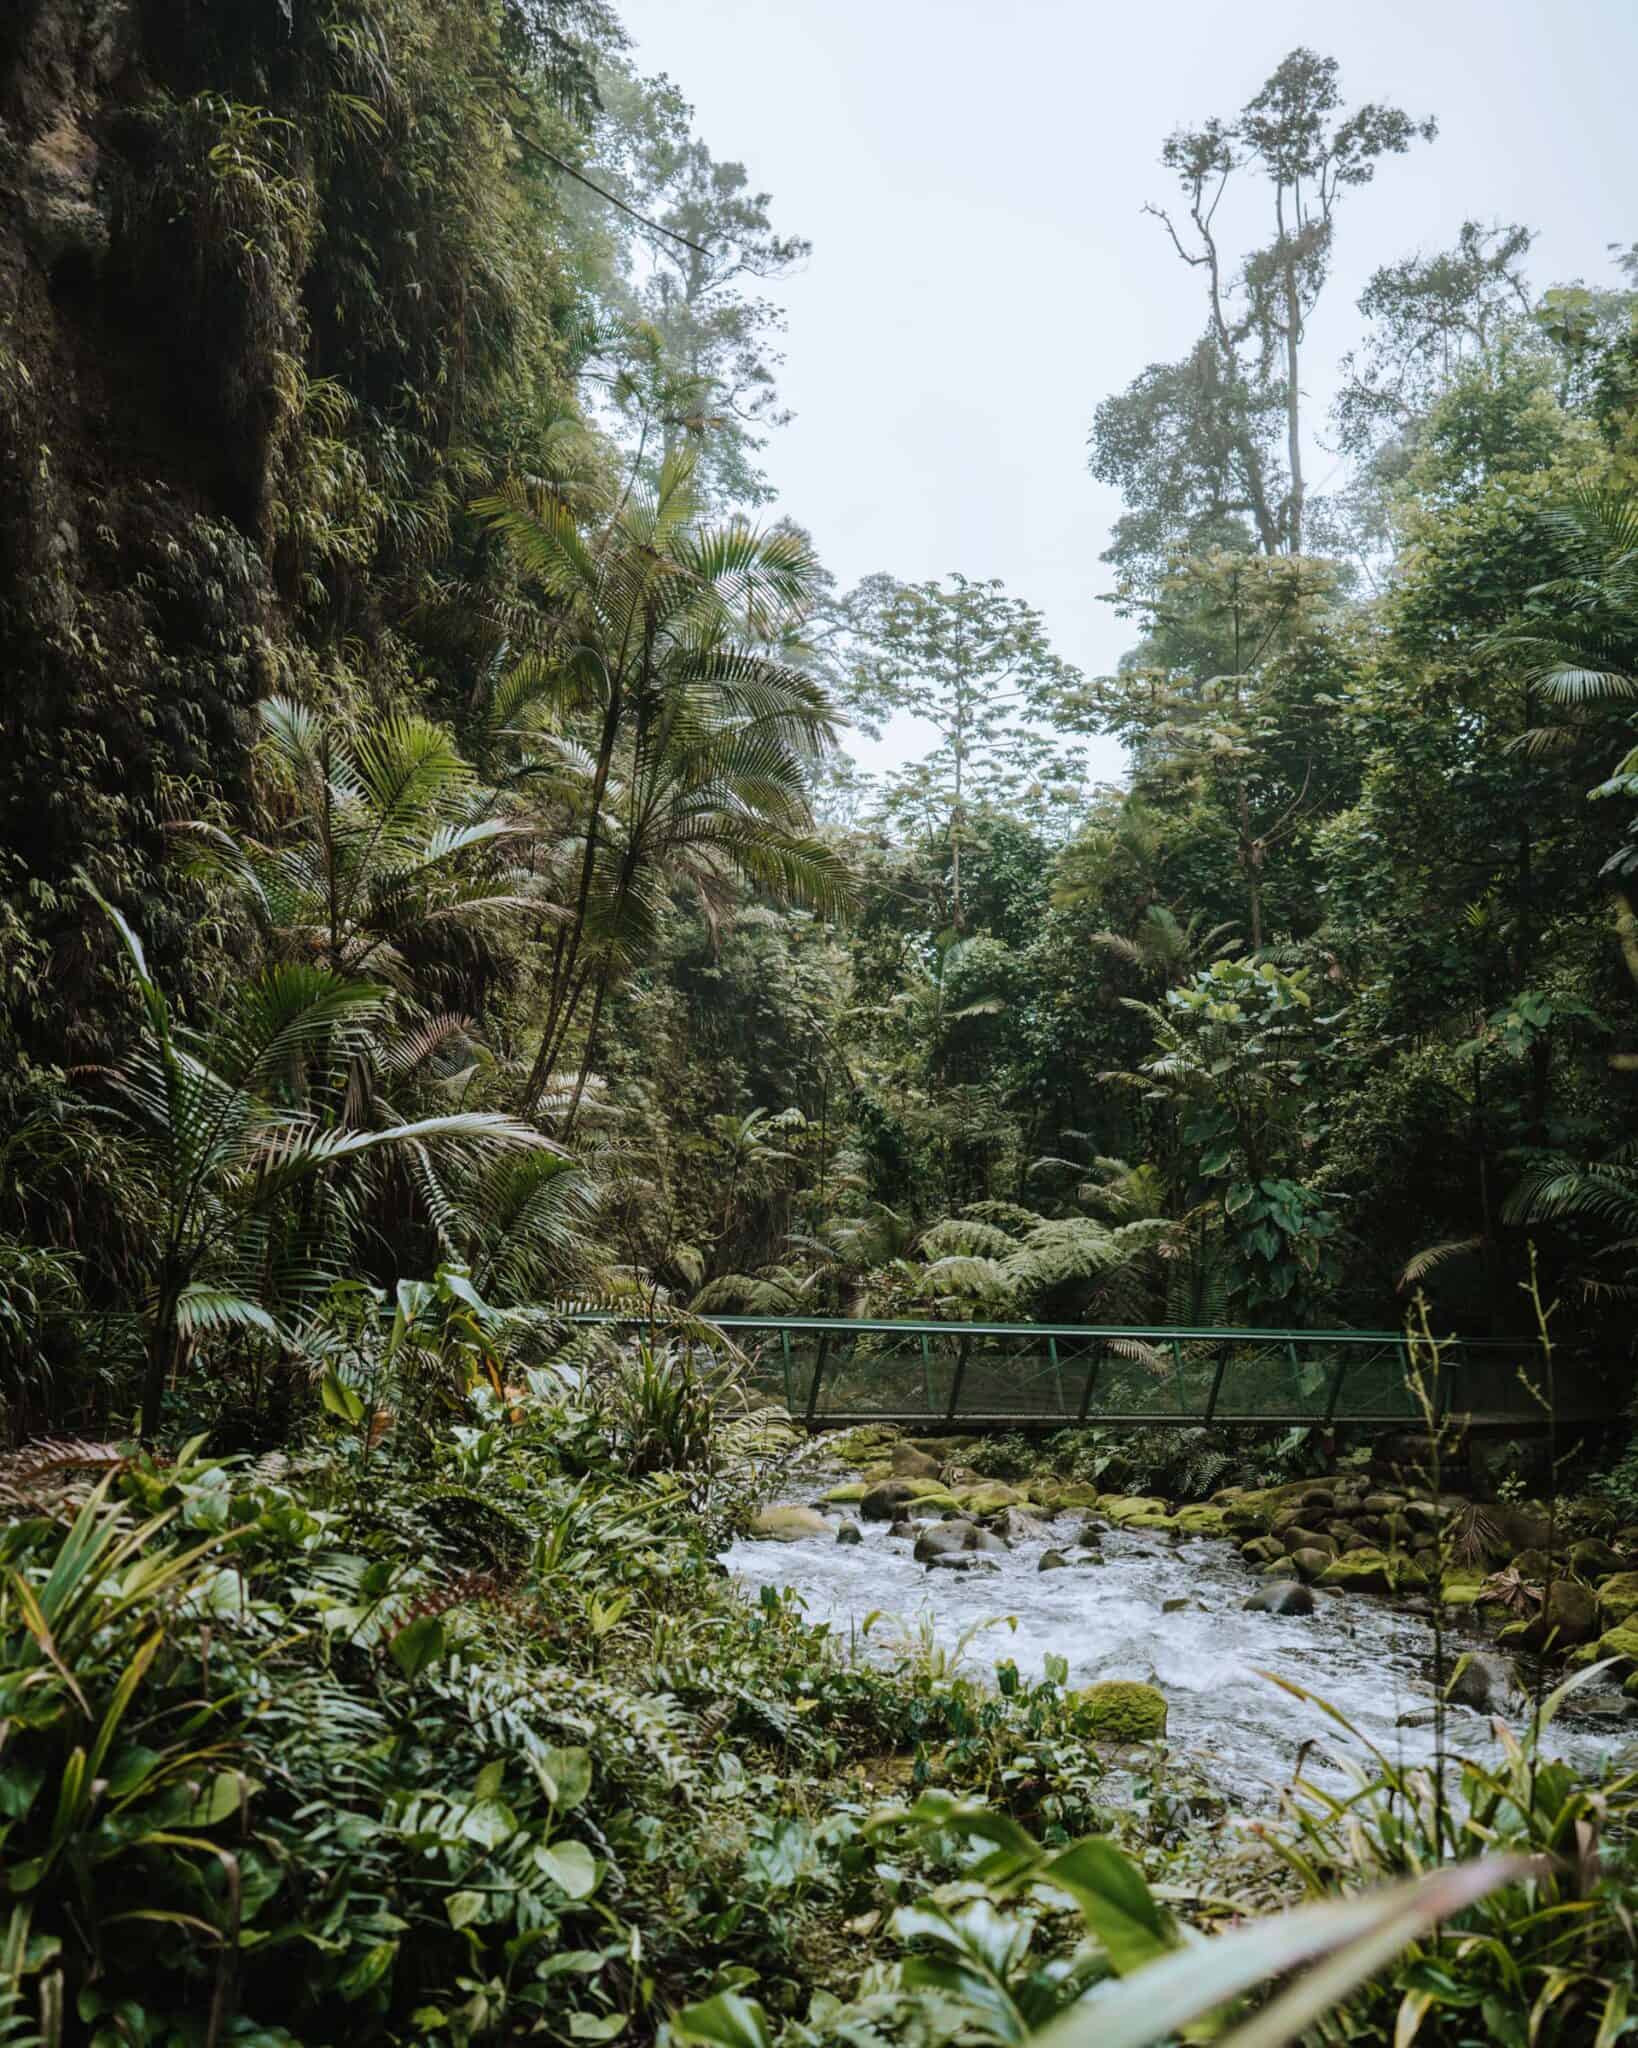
(1122, 1710)
(853, 1490)
(1372, 1571)
(1122, 1508)
(1461, 1589)
(1618, 1597)
(1202, 1521)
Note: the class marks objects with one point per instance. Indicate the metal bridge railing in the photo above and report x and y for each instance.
(831, 1372)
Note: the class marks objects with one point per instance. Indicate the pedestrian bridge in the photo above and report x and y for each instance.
(978, 1377)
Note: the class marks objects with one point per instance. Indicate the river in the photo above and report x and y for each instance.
(1365, 1657)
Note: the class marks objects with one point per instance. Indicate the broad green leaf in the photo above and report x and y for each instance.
(571, 1866)
(1116, 1903)
(340, 1399)
(596, 2026)
(420, 1644)
(726, 2021)
(570, 1771)
(463, 1908)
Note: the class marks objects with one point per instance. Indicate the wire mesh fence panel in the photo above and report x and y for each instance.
(1038, 1376)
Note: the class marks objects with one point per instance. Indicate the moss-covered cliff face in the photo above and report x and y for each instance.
(277, 283)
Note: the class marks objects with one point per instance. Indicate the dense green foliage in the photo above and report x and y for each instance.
(431, 889)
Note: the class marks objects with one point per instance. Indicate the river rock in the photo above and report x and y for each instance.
(1307, 1539)
(945, 1539)
(1202, 1521)
(788, 1525)
(1123, 1710)
(1175, 1606)
(1019, 1527)
(962, 1561)
(1593, 1559)
(990, 1541)
(1281, 1596)
(1569, 1617)
(1262, 1549)
(1383, 1503)
(1283, 1568)
(1310, 1563)
(849, 1532)
(909, 1463)
(1481, 1681)
(1369, 1571)
(1090, 1538)
(1618, 1598)
(988, 1497)
(888, 1500)
(1052, 1561)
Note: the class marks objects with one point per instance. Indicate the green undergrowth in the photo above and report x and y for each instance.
(459, 1732)
(456, 1741)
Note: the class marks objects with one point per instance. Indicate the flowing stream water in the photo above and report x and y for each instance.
(1363, 1655)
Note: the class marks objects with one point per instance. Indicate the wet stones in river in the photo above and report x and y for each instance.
(788, 1525)
(1281, 1596)
(849, 1532)
(1310, 1563)
(1090, 1538)
(909, 1463)
(1052, 1561)
(1481, 1681)
(941, 1541)
(888, 1500)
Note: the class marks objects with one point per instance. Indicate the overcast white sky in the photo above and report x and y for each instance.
(971, 177)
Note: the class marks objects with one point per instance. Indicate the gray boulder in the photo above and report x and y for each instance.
(849, 1533)
(888, 1500)
(940, 1540)
(1281, 1596)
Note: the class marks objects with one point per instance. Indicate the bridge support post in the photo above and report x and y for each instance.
(1217, 1381)
(1057, 1373)
(1335, 1395)
(1090, 1381)
(926, 1373)
(958, 1376)
(818, 1375)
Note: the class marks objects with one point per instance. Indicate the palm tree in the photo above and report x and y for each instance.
(1166, 951)
(230, 1121)
(389, 838)
(695, 737)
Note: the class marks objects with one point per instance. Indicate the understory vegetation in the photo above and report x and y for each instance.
(435, 893)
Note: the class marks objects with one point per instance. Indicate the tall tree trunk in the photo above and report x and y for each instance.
(1293, 407)
(162, 1359)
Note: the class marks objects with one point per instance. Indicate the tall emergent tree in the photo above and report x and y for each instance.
(1195, 446)
(976, 665)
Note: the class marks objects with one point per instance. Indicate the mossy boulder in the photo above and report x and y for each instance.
(1202, 1521)
(1121, 1508)
(988, 1497)
(1620, 1642)
(1075, 1493)
(1310, 1563)
(1166, 1525)
(1283, 1568)
(1570, 1616)
(1123, 1710)
(1592, 1558)
(844, 1496)
(869, 1444)
(1618, 1597)
(1307, 1539)
(1461, 1588)
(788, 1525)
(909, 1463)
(888, 1500)
(1371, 1571)
(1262, 1549)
